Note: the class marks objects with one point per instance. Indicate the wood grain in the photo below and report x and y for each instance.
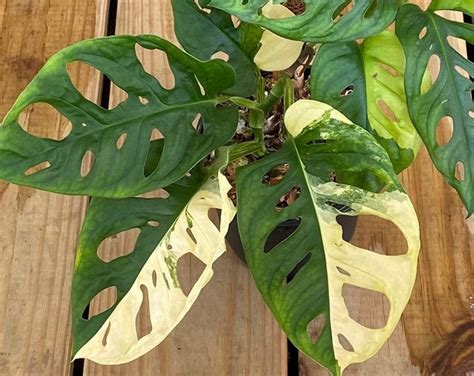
(38, 230)
(229, 330)
(436, 334)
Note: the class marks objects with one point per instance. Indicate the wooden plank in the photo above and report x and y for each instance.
(229, 331)
(38, 230)
(433, 337)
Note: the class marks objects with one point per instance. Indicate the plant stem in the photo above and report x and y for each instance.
(241, 150)
(277, 92)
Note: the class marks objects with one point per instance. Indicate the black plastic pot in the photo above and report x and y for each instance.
(284, 230)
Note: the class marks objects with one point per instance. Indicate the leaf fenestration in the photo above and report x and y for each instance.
(310, 307)
(120, 172)
(151, 268)
(319, 22)
(425, 34)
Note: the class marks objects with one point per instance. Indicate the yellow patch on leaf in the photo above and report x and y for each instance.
(117, 341)
(277, 53)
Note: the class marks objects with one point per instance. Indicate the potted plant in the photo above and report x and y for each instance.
(312, 114)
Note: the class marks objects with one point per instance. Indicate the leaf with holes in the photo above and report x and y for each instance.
(366, 82)
(426, 36)
(205, 35)
(302, 277)
(170, 228)
(322, 21)
(117, 141)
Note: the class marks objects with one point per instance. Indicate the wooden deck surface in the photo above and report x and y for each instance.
(229, 331)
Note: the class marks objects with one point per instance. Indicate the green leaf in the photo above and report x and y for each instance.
(321, 21)
(323, 143)
(366, 83)
(460, 5)
(120, 172)
(169, 229)
(203, 34)
(423, 36)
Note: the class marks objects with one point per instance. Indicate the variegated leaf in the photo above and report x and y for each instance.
(324, 145)
(170, 228)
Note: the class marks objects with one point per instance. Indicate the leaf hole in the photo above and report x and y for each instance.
(143, 324)
(154, 278)
(118, 245)
(44, 121)
(459, 171)
(371, 9)
(341, 208)
(235, 21)
(106, 334)
(315, 328)
(214, 216)
(434, 66)
(79, 69)
(289, 198)
(156, 135)
(462, 71)
(347, 91)
(121, 141)
(37, 168)
(206, 10)
(144, 101)
(367, 307)
(379, 235)
(220, 55)
(343, 271)
(387, 111)
(191, 235)
(348, 223)
(87, 163)
(445, 130)
(198, 124)
(471, 114)
(276, 174)
(346, 345)
(281, 233)
(423, 33)
(190, 268)
(297, 268)
(155, 62)
(157, 193)
(455, 42)
(342, 10)
(155, 150)
(102, 301)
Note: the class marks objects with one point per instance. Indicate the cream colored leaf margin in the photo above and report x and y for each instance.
(393, 276)
(167, 302)
(277, 53)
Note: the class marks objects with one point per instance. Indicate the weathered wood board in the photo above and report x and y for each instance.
(38, 230)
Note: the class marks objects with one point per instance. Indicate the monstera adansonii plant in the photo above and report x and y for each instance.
(364, 106)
